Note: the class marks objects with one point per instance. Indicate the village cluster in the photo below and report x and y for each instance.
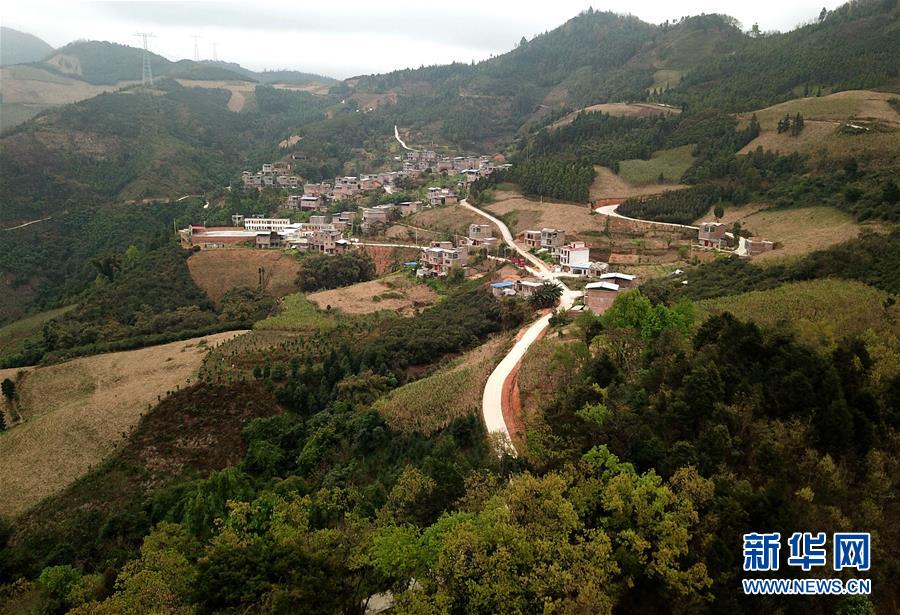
(333, 233)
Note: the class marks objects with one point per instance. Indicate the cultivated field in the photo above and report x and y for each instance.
(77, 413)
(396, 293)
(608, 185)
(670, 163)
(218, 271)
(297, 313)
(800, 230)
(620, 110)
(821, 311)
(455, 391)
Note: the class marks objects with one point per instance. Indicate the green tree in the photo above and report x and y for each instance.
(718, 212)
(9, 389)
(546, 295)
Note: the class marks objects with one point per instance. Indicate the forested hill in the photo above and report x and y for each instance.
(704, 62)
(17, 47)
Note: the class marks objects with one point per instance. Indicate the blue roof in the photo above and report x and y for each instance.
(502, 284)
(410, 264)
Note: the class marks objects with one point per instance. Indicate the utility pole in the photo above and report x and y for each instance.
(196, 38)
(146, 70)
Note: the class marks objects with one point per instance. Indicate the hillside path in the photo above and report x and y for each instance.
(12, 228)
(610, 210)
(492, 400)
(400, 141)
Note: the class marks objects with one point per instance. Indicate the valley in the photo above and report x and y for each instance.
(553, 330)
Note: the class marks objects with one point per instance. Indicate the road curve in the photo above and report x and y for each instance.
(610, 210)
(492, 400)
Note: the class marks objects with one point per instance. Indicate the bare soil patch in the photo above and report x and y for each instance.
(77, 413)
(218, 271)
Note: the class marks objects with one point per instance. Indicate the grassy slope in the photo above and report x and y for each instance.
(432, 403)
(13, 335)
(76, 412)
(671, 163)
(820, 311)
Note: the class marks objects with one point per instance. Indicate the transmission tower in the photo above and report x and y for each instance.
(146, 70)
(215, 53)
(196, 38)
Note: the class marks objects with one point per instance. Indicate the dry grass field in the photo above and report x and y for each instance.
(76, 414)
(455, 391)
(33, 85)
(608, 185)
(800, 230)
(218, 271)
(396, 293)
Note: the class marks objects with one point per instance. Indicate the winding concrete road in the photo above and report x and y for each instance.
(492, 400)
(12, 228)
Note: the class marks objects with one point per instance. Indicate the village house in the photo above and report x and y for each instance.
(711, 235)
(270, 239)
(311, 203)
(589, 269)
(346, 187)
(575, 253)
(326, 242)
(439, 258)
(758, 245)
(318, 189)
(410, 207)
(482, 235)
(526, 286)
(288, 181)
(441, 196)
(599, 296)
(266, 224)
(369, 182)
(623, 280)
(373, 217)
(503, 289)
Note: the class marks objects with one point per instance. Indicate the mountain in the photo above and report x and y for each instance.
(20, 47)
(704, 61)
(102, 62)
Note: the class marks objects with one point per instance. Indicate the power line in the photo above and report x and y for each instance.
(146, 69)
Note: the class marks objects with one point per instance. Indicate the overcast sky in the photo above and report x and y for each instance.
(342, 38)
